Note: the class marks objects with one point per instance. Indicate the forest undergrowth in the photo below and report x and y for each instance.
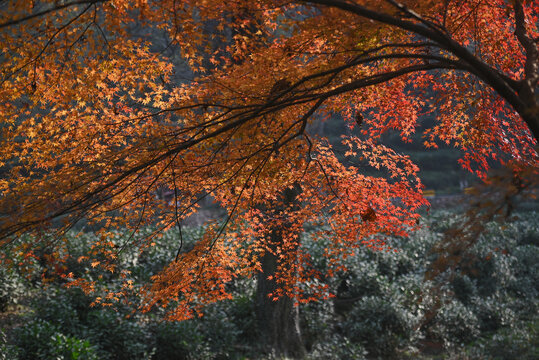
(386, 306)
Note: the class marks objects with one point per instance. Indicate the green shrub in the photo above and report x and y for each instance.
(388, 305)
(64, 347)
(493, 314)
(64, 308)
(34, 339)
(180, 341)
(456, 324)
(317, 323)
(7, 351)
(217, 325)
(464, 288)
(114, 336)
(337, 347)
(526, 271)
(12, 288)
(379, 325)
(40, 339)
(520, 341)
(241, 312)
(117, 337)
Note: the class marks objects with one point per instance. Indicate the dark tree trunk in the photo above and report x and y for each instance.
(278, 321)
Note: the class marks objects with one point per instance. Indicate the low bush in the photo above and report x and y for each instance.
(519, 341)
(486, 307)
(12, 288)
(456, 324)
(40, 339)
(382, 327)
(7, 351)
(336, 346)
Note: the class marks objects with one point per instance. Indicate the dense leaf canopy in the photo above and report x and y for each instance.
(96, 124)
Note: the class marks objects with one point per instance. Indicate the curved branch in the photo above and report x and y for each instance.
(477, 67)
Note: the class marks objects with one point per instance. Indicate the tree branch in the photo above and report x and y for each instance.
(45, 12)
(477, 67)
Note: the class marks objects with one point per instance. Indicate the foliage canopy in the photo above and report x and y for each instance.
(95, 122)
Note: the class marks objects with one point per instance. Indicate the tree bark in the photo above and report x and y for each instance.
(278, 320)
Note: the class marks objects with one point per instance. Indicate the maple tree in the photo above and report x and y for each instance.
(95, 123)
